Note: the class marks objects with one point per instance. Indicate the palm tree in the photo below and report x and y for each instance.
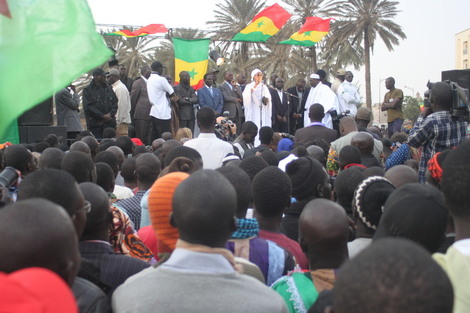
(361, 21)
(231, 16)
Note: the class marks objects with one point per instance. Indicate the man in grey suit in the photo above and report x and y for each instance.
(140, 107)
(66, 104)
(233, 100)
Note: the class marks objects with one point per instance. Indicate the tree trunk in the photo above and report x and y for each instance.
(314, 60)
(367, 63)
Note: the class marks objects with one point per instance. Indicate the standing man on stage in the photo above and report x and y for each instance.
(322, 94)
(233, 100)
(280, 107)
(296, 94)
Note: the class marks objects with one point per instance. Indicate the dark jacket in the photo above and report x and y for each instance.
(290, 221)
(185, 107)
(90, 298)
(98, 101)
(231, 104)
(307, 134)
(140, 103)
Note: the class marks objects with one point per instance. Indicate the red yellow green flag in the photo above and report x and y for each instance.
(191, 56)
(313, 30)
(264, 25)
(143, 31)
(44, 45)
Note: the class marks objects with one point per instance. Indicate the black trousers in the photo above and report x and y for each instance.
(160, 127)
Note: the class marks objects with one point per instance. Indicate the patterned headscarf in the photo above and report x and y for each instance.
(435, 168)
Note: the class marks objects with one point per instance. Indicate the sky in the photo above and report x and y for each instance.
(430, 27)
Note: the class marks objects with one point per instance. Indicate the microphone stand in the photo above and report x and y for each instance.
(261, 107)
(289, 95)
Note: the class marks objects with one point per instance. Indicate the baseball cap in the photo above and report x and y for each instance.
(137, 141)
(315, 76)
(341, 71)
(98, 72)
(34, 290)
(113, 71)
(364, 113)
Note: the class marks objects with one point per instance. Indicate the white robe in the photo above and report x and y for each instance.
(252, 102)
(327, 98)
(349, 98)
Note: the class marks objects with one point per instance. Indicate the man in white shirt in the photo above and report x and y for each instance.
(160, 92)
(348, 95)
(123, 115)
(322, 94)
(211, 148)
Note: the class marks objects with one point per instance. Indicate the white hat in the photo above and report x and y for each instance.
(254, 72)
(315, 76)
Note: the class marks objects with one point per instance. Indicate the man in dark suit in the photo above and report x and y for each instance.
(186, 100)
(140, 107)
(297, 95)
(66, 104)
(114, 268)
(316, 129)
(233, 99)
(279, 106)
(209, 96)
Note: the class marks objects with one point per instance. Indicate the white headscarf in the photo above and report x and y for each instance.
(254, 72)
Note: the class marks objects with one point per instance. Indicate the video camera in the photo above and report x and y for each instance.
(8, 177)
(460, 99)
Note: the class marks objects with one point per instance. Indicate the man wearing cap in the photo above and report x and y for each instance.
(100, 104)
(160, 92)
(123, 115)
(348, 95)
(340, 76)
(320, 93)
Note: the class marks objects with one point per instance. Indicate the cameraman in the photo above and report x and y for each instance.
(225, 129)
(436, 129)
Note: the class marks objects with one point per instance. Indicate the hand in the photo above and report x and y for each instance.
(233, 128)
(284, 119)
(279, 118)
(265, 100)
(107, 117)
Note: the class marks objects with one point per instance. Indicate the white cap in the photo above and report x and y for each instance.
(315, 76)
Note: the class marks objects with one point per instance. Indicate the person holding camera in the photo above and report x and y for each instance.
(436, 129)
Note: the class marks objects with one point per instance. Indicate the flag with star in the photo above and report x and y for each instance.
(264, 25)
(192, 56)
(44, 46)
(313, 30)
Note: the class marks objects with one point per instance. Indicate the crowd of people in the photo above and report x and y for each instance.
(280, 203)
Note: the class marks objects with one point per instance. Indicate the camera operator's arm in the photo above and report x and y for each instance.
(5, 198)
(421, 133)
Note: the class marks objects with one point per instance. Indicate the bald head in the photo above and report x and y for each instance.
(364, 141)
(204, 208)
(118, 153)
(324, 231)
(157, 143)
(317, 153)
(166, 147)
(80, 146)
(98, 219)
(38, 233)
(401, 174)
(51, 158)
(346, 125)
(92, 144)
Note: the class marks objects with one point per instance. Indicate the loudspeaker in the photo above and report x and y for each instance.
(461, 77)
(40, 115)
(32, 134)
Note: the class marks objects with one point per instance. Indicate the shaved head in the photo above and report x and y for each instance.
(204, 208)
(401, 174)
(98, 219)
(38, 233)
(364, 141)
(52, 158)
(324, 231)
(80, 146)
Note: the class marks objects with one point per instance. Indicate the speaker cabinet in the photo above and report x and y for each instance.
(40, 115)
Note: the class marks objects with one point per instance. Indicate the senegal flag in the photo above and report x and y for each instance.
(192, 56)
(313, 30)
(143, 31)
(264, 25)
(44, 45)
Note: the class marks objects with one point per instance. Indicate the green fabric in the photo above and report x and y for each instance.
(297, 290)
(44, 45)
(305, 43)
(254, 36)
(191, 50)
(11, 134)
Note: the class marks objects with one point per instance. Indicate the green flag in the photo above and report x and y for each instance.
(44, 45)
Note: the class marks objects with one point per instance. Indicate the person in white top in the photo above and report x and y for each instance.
(348, 95)
(323, 95)
(211, 148)
(160, 92)
(257, 102)
(123, 115)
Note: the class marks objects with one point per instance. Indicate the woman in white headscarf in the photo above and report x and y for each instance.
(257, 101)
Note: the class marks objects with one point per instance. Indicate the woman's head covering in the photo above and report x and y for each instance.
(254, 72)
